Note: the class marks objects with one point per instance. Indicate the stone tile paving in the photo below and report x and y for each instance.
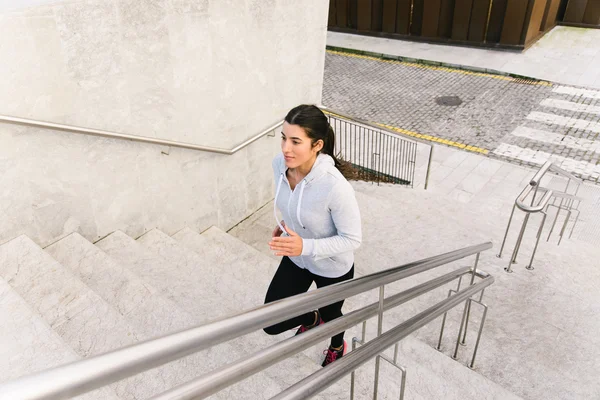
(517, 122)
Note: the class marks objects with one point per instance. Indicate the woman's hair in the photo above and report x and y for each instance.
(316, 125)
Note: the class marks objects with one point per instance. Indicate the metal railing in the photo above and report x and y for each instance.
(142, 139)
(569, 202)
(324, 378)
(378, 154)
(86, 375)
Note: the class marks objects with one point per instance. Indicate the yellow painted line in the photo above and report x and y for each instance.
(435, 139)
(439, 68)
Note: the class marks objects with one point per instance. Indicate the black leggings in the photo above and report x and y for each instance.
(290, 280)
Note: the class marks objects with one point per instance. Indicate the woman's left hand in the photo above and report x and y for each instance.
(290, 246)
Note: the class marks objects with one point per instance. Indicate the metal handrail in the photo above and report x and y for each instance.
(83, 376)
(388, 132)
(549, 166)
(324, 378)
(520, 202)
(165, 142)
(227, 375)
(183, 145)
(541, 207)
(143, 139)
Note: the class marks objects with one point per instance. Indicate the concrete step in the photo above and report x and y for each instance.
(220, 266)
(148, 311)
(28, 344)
(226, 253)
(81, 318)
(143, 306)
(184, 281)
(194, 291)
(71, 308)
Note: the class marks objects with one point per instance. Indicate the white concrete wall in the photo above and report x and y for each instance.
(210, 72)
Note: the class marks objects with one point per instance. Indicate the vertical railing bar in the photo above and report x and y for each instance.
(395, 158)
(355, 146)
(371, 150)
(396, 163)
(381, 151)
(485, 310)
(404, 176)
(462, 324)
(507, 229)
(464, 339)
(384, 157)
(391, 158)
(428, 166)
(379, 332)
(414, 165)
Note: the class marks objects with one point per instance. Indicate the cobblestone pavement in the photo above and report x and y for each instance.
(504, 118)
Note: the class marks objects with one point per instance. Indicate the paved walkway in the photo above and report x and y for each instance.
(565, 55)
(499, 116)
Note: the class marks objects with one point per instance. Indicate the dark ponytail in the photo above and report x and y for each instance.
(316, 125)
(329, 145)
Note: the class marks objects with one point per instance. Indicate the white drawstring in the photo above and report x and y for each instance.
(275, 203)
(300, 204)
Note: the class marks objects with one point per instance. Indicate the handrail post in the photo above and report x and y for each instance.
(428, 167)
(537, 241)
(513, 259)
(379, 331)
(507, 229)
(464, 339)
(483, 317)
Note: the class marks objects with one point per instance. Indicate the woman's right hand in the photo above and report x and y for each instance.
(277, 231)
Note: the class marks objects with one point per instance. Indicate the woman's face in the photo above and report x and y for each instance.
(297, 147)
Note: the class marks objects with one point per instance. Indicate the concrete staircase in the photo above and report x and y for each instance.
(75, 299)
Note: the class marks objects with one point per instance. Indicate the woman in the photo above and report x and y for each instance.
(321, 221)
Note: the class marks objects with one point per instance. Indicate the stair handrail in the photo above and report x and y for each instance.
(229, 374)
(136, 138)
(531, 208)
(549, 166)
(92, 373)
(540, 207)
(164, 142)
(325, 377)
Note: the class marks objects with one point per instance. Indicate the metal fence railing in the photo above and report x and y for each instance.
(375, 154)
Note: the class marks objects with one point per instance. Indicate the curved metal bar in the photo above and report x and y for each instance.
(143, 139)
(520, 202)
(86, 375)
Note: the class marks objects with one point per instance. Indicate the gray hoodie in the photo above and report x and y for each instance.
(323, 211)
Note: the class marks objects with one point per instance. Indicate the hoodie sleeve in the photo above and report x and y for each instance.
(346, 218)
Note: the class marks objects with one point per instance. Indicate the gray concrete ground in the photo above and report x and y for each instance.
(524, 123)
(565, 55)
